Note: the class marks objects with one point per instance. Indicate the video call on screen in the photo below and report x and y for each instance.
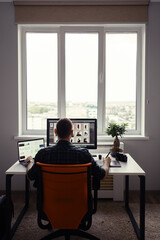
(83, 132)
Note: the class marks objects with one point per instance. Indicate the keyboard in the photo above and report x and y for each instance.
(25, 164)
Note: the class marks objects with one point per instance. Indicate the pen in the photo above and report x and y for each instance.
(107, 154)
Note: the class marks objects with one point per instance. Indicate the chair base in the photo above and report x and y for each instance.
(68, 233)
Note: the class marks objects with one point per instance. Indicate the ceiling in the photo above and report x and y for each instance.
(75, 0)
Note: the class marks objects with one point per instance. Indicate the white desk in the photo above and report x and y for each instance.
(131, 168)
(17, 169)
(127, 169)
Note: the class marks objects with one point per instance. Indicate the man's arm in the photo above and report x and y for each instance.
(30, 162)
(106, 163)
(99, 172)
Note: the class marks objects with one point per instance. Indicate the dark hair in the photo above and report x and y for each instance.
(64, 127)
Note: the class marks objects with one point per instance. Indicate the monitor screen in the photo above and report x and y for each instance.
(84, 132)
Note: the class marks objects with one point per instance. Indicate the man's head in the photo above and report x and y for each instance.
(64, 129)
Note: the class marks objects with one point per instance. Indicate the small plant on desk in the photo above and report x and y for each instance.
(116, 130)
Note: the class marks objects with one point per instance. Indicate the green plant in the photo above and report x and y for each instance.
(116, 130)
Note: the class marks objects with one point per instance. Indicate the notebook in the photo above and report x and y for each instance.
(99, 160)
(29, 148)
(115, 163)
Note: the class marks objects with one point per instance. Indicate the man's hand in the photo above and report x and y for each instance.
(107, 161)
(30, 162)
(29, 159)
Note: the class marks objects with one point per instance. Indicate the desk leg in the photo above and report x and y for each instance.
(9, 206)
(142, 207)
(27, 185)
(139, 231)
(11, 231)
(127, 192)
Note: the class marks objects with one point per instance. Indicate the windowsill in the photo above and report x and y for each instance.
(124, 138)
(102, 140)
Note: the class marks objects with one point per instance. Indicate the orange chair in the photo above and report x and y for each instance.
(64, 199)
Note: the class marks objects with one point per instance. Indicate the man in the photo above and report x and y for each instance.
(65, 153)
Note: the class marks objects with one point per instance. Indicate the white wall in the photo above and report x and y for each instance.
(8, 89)
(145, 152)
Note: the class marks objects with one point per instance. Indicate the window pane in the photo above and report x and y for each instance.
(121, 58)
(41, 78)
(81, 56)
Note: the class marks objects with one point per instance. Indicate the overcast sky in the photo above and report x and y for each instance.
(81, 67)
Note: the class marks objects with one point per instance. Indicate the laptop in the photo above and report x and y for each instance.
(29, 148)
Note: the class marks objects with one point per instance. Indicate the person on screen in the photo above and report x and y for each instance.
(66, 153)
(79, 134)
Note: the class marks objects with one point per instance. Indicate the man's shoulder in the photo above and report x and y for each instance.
(80, 150)
(46, 150)
(76, 148)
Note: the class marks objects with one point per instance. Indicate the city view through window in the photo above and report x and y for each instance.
(119, 112)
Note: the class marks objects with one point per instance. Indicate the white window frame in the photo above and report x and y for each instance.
(102, 29)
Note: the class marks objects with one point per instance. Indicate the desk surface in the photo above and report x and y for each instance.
(129, 168)
(16, 168)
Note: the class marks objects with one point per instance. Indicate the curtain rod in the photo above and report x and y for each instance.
(81, 3)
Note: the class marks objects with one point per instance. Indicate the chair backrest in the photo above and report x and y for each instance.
(66, 194)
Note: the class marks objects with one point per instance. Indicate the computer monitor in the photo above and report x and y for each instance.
(84, 132)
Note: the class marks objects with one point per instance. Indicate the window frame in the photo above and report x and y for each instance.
(140, 74)
(81, 28)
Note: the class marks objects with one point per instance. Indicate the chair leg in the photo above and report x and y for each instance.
(83, 234)
(68, 233)
(55, 234)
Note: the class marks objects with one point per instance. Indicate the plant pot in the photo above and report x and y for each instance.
(116, 145)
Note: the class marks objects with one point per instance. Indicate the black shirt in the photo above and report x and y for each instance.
(65, 153)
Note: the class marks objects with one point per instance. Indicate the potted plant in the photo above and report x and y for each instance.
(116, 130)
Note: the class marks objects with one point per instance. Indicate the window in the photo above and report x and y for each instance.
(121, 60)
(41, 73)
(81, 72)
